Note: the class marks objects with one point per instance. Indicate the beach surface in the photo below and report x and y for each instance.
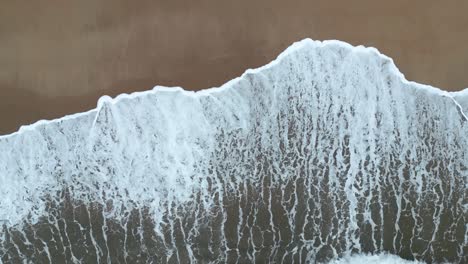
(58, 58)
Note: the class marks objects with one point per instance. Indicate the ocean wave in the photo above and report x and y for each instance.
(325, 152)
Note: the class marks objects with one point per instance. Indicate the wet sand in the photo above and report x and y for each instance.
(58, 58)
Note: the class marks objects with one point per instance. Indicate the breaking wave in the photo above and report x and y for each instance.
(324, 153)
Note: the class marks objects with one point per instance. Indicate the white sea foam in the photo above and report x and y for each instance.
(373, 259)
(380, 157)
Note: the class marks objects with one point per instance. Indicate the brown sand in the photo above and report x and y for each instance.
(58, 57)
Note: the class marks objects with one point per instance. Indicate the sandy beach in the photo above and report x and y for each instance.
(58, 58)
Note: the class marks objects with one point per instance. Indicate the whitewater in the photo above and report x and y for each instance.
(325, 155)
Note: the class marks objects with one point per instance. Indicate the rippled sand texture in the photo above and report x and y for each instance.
(59, 57)
(325, 152)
